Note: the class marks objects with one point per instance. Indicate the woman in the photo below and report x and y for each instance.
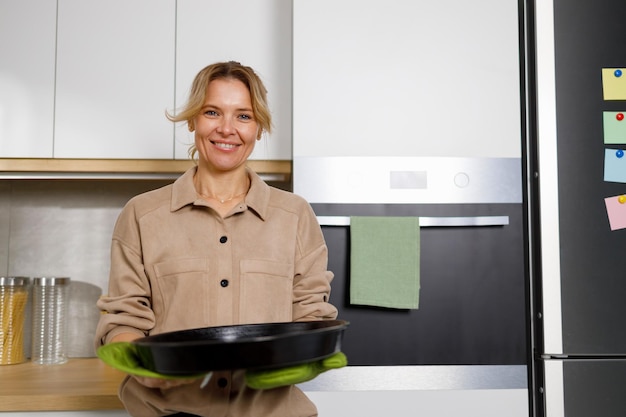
(217, 247)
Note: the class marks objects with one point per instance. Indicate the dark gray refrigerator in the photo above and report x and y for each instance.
(580, 207)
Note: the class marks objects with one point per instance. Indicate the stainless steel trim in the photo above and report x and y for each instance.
(423, 377)
(429, 221)
(378, 180)
(548, 153)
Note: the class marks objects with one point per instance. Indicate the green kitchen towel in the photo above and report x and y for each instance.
(385, 261)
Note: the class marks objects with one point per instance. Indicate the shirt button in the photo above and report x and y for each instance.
(223, 239)
(222, 382)
(224, 283)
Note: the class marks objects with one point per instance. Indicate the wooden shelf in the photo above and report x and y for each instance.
(278, 170)
(79, 384)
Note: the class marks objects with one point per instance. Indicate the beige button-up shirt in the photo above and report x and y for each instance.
(177, 264)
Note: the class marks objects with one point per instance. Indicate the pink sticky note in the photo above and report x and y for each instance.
(616, 209)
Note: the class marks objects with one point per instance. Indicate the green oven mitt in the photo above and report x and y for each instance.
(273, 378)
(123, 356)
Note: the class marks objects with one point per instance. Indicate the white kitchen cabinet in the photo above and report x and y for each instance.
(27, 47)
(255, 33)
(114, 79)
(406, 78)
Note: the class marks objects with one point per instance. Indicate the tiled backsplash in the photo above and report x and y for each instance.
(63, 228)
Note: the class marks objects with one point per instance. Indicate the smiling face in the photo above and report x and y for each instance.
(225, 129)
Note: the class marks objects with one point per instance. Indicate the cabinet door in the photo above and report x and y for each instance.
(407, 78)
(255, 33)
(115, 79)
(27, 40)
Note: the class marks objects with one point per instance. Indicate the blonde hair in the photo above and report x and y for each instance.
(228, 70)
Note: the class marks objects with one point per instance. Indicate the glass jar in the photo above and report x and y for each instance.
(14, 293)
(50, 301)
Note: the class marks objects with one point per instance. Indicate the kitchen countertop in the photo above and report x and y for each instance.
(78, 384)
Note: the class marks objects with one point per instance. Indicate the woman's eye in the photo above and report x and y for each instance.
(210, 113)
(245, 117)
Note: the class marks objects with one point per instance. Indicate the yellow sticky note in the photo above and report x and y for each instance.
(614, 83)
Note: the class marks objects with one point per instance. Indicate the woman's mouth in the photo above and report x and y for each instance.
(223, 145)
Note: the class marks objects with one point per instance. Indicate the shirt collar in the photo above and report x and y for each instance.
(257, 199)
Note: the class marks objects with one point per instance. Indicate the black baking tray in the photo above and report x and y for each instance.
(244, 346)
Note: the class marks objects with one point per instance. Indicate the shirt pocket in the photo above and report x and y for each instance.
(266, 291)
(181, 294)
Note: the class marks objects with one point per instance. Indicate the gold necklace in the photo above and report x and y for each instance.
(225, 200)
(221, 200)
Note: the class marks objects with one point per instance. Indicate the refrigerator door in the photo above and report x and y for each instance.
(582, 243)
(582, 388)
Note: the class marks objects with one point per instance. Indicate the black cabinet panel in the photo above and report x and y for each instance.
(472, 299)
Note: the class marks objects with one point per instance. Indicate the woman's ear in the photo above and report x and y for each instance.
(190, 125)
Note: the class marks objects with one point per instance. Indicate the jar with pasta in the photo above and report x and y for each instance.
(14, 292)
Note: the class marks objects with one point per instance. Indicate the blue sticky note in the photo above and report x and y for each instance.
(614, 165)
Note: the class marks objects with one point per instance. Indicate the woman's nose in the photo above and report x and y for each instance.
(226, 126)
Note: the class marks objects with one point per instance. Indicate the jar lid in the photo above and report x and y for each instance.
(14, 281)
(50, 281)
